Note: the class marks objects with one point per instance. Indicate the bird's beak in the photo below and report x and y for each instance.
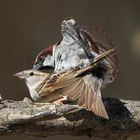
(20, 75)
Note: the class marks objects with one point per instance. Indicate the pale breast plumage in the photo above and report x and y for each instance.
(70, 53)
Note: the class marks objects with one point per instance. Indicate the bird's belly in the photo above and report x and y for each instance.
(71, 57)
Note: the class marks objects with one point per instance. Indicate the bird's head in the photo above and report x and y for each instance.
(34, 80)
(44, 59)
(32, 77)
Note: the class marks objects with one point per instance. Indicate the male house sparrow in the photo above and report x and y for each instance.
(45, 59)
(77, 49)
(77, 85)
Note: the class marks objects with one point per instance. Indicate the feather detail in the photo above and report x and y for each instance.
(43, 83)
(91, 96)
(98, 41)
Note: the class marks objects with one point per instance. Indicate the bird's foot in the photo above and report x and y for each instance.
(61, 100)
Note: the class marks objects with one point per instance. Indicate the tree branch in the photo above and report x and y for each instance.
(43, 119)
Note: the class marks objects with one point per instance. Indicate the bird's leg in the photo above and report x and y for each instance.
(61, 100)
(65, 98)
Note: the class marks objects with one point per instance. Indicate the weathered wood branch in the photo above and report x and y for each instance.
(34, 119)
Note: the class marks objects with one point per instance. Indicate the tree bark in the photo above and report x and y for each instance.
(44, 119)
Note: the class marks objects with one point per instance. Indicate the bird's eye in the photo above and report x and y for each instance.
(40, 58)
(31, 74)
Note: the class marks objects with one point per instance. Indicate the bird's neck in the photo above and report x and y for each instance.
(32, 86)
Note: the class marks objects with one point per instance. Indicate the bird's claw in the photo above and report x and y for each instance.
(61, 100)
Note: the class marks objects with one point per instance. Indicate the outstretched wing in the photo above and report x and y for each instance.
(99, 42)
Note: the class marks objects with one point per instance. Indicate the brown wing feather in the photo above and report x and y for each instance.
(65, 86)
(86, 93)
(83, 91)
(99, 42)
(91, 96)
(61, 81)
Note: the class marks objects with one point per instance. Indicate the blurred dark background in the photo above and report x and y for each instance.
(28, 26)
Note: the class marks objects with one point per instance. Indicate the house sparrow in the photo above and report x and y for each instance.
(45, 59)
(77, 49)
(77, 85)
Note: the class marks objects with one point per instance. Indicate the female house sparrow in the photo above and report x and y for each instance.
(77, 85)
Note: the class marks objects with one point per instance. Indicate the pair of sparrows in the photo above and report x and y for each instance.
(82, 63)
